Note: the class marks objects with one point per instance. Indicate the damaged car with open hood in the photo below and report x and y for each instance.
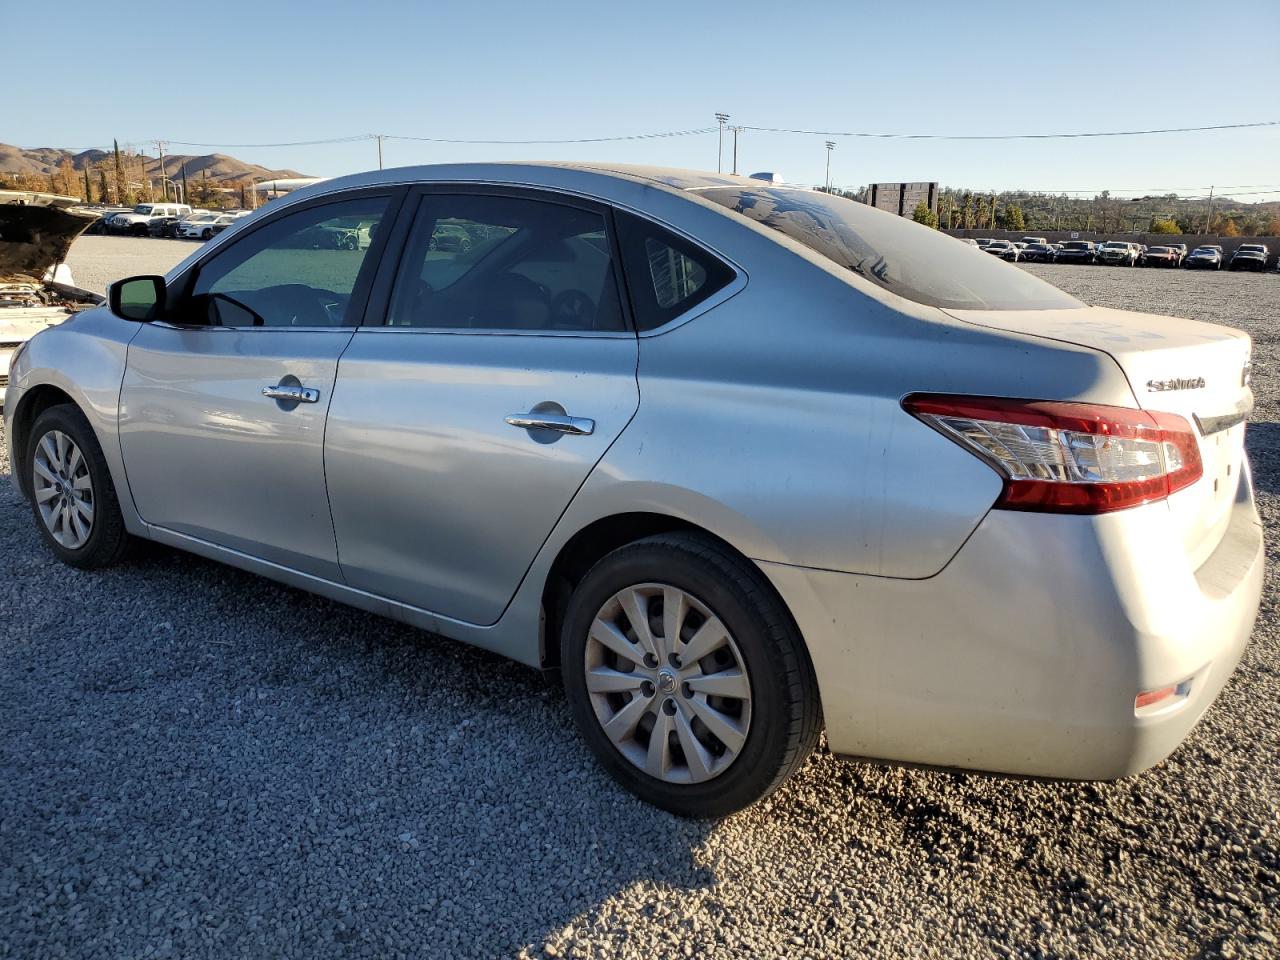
(36, 287)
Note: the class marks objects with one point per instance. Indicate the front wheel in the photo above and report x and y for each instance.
(72, 497)
(687, 677)
(206, 233)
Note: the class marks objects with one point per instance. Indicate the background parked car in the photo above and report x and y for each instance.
(223, 221)
(101, 225)
(983, 242)
(197, 227)
(1249, 256)
(172, 226)
(1118, 253)
(1077, 251)
(1039, 253)
(1180, 249)
(1004, 249)
(137, 222)
(1208, 257)
(1161, 257)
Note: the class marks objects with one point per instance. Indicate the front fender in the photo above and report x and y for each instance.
(83, 358)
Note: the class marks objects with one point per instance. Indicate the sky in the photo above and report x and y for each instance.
(235, 73)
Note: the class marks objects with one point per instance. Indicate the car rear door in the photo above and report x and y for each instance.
(465, 421)
(223, 404)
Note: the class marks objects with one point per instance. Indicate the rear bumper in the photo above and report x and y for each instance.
(1025, 654)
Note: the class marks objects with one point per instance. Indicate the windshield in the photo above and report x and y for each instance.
(1116, 245)
(1077, 245)
(1204, 250)
(1250, 248)
(906, 258)
(142, 208)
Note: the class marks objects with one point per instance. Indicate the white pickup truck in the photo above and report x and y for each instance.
(138, 220)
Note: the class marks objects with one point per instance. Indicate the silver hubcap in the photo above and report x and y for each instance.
(63, 491)
(667, 683)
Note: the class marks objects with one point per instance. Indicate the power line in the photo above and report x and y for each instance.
(699, 131)
(1014, 136)
(294, 143)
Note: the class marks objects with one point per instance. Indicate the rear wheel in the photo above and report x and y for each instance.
(72, 497)
(686, 676)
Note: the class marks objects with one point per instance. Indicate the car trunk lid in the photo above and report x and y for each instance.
(1173, 365)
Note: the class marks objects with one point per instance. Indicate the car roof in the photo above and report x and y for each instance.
(538, 172)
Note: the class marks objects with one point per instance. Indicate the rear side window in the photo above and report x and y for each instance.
(906, 258)
(477, 262)
(667, 275)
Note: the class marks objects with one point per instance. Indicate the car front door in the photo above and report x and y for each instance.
(223, 405)
(463, 425)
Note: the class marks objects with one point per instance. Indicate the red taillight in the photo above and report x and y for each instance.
(1068, 457)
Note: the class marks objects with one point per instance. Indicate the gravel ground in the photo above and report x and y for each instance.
(96, 260)
(198, 763)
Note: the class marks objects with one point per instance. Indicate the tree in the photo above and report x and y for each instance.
(1164, 225)
(923, 214)
(88, 187)
(121, 193)
(66, 177)
(1011, 217)
(104, 191)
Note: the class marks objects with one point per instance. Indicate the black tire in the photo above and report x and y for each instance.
(108, 541)
(206, 233)
(786, 717)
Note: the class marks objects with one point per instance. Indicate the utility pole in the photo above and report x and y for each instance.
(1208, 219)
(378, 137)
(721, 119)
(160, 144)
(831, 145)
(736, 131)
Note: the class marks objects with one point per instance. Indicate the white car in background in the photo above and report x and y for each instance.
(193, 226)
(204, 229)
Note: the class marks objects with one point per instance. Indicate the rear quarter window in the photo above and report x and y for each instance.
(667, 275)
(903, 257)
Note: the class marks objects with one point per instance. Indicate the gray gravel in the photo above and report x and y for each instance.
(198, 763)
(96, 260)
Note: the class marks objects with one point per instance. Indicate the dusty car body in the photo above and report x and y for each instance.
(36, 289)
(740, 461)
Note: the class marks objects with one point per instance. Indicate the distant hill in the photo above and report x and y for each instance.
(42, 161)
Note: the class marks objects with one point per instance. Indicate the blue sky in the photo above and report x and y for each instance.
(239, 72)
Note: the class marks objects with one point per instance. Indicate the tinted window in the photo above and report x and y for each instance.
(506, 263)
(299, 270)
(906, 258)
(667, 275)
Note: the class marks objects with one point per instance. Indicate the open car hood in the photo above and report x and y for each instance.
(34, 238)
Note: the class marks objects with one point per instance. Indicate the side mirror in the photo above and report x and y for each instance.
(137, 298)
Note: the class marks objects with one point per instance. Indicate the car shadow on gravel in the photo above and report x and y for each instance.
(1262, 443)
(198, 762)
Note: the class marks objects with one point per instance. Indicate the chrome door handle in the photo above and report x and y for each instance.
(577, 426)
(287, 392)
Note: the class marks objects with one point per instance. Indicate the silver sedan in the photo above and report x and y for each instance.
(740, 461)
